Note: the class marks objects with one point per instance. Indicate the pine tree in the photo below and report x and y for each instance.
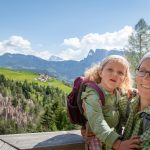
(138, 43)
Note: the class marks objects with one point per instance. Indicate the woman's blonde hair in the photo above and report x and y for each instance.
(93, 73)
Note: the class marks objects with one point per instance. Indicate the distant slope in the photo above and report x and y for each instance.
(31, 76)
(18, 75)
(66, 70)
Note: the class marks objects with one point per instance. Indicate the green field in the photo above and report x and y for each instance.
(31, 77)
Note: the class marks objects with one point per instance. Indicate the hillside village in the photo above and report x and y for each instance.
(42, 77)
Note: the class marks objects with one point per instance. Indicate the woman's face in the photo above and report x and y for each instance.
(143, 79)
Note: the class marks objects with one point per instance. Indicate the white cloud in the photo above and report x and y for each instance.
(42, 54)
(72, 48)
(18, 41)
(72, 42)
(70, 54)
(17, 44)
(78, 48)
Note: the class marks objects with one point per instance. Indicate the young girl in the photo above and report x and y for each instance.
(140, 105)
(111, 74)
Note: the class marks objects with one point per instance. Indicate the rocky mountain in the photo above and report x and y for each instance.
(65, 70)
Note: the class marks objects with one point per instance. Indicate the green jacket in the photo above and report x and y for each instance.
(102, 119)
(134, 125)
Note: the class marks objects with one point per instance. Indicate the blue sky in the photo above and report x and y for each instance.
(68, 28)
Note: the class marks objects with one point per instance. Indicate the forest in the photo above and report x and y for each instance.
(30, 107)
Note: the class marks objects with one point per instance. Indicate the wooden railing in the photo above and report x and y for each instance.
(63, 140)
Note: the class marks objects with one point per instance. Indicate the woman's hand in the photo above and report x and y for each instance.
(133, 143)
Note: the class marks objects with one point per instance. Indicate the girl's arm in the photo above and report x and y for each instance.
(94, 115)
(107, 135)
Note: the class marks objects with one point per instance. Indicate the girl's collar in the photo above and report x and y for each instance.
(108, 92)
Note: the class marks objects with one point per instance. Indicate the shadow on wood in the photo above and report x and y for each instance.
(63, 140)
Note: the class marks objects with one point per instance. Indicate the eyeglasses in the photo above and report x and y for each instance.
(143, 73)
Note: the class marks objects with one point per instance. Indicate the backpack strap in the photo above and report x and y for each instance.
(146, 120)
(98, 90)
(94, 86)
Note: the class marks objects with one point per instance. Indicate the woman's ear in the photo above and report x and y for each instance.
(99, 73)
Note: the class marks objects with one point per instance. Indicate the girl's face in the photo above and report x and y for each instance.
(143, 79)
(113, 75)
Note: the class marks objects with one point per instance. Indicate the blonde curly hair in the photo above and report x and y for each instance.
(92, 73)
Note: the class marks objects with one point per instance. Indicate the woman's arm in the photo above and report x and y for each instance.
(145, 137)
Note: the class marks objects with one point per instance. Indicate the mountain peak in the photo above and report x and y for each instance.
(91, 52)
(55, 58)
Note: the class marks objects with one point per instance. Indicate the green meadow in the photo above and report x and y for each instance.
(32, 77)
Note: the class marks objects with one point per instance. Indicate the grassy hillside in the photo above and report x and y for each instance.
(31, 77)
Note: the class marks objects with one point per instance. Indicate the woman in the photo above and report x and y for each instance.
(138, 122)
